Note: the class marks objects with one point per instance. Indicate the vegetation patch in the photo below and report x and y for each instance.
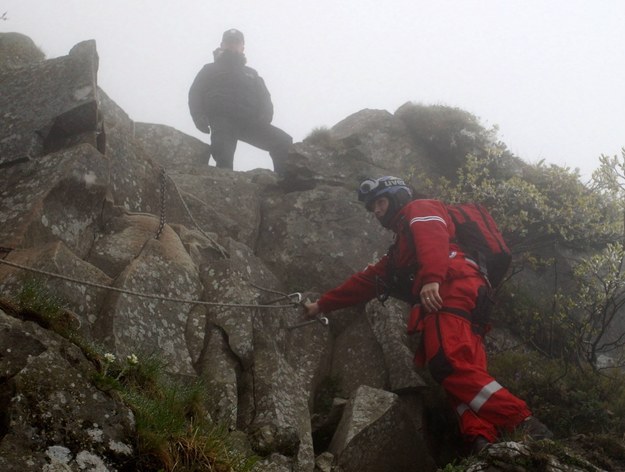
(322, 137)
(174, 432)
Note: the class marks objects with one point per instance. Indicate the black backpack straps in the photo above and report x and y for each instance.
(487, 222)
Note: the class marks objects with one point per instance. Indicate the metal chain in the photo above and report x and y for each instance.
(215, 244)
(163, 180)
(140, 294)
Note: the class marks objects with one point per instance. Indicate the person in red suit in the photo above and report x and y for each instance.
(427, 269)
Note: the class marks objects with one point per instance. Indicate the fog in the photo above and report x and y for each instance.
(549, 74)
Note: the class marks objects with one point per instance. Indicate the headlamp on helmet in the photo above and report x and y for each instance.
(372, 189)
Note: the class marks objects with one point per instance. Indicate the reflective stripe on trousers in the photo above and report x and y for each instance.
(479, 399)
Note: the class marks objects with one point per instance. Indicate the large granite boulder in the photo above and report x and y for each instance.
(49, 105)
(18, 50)
(219, 201)
(53, 418)
(376, 435)
(59, 197)
(131, 324)
(369, 143)
(358, 358)
(172, 149)
(83, 301)
(325, 231)
(382, 140)
(136, 181)
(388, 323)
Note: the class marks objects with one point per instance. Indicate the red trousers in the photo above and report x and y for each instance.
(456, 358)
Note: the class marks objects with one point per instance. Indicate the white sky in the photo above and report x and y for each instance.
(549, 73)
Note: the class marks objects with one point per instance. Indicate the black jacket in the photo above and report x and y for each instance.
(228, 88)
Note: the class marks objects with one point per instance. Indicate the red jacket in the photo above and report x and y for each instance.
(436, 258)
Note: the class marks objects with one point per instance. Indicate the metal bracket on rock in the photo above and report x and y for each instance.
(319, 319)
(294, 298)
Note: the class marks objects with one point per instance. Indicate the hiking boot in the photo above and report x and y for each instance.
(479, 444)
(533, 428)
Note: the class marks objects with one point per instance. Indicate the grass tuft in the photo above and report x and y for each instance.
(174, 432)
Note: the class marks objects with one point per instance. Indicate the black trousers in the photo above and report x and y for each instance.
(226, 132)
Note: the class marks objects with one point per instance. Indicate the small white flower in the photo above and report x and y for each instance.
(108, 357)
(132, 359)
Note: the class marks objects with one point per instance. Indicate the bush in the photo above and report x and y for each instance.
(174, 432)
(322, 137)
(569, 401)
(450, 135)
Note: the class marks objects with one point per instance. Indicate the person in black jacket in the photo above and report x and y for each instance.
(231, 100)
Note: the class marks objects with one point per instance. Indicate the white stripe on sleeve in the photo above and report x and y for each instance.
(422, 219)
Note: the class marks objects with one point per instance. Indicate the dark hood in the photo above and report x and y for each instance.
(226, 56)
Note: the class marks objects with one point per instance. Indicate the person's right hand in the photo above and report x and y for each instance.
(311, 309)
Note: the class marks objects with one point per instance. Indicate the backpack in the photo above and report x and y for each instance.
(479, 237)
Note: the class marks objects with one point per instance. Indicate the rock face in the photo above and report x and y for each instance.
(154, 251)
(49, 105)
(376, 434)
(17, 50)
(52, 417)
(96, 198)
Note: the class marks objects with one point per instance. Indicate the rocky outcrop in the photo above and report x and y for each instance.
(376, 434)
(17, 50)
(367, 143)
(142, 213)
(153, 251)
(51, 415)
(577, 454)
(49, 105)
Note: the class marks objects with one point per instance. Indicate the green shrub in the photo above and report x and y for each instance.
(569, 400)
(174, 432)
(450, 135)
(321, 136)
(39, 302)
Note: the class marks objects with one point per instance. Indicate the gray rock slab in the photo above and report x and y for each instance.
(135, 178)
(375, 435)
(235, 280)
(49, 104)
(219, 201)
(83, 300)
(369, 143)
(380, 136)
(121, 239)
(54, 415)
(18, 50)
(132, 324)
(58, 197)
(388, 323)
(358, 359)
(282, 422)
(324, 230)
(309, 352)
(172, 149)
(219, 368)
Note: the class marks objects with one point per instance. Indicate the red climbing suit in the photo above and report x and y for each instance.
(453, 351)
